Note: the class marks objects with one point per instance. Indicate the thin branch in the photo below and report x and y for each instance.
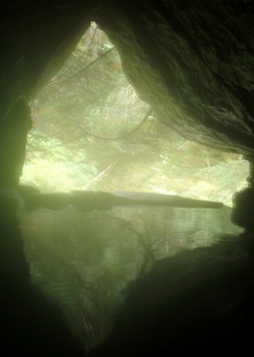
(56, 146)
(102, 173)
(84, 68)
(97, 136)
(136, 128)
(85, 51)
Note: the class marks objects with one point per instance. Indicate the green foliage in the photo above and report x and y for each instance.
(90, 98)
(53, 167)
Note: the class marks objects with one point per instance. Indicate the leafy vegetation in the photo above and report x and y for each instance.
(91, 131)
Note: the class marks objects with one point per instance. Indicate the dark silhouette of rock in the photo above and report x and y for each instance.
(30, 326)
(198, 302)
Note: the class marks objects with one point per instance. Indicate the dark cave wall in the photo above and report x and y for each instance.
(35, 39)
(53, 31)
(12, 34)
(192, 61)
(13, 141)
(30, 325)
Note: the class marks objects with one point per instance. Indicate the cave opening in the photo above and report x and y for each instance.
(91, 131)
(183, 272)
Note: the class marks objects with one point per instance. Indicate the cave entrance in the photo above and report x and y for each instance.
(92, 132)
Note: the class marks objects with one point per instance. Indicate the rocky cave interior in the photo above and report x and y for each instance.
(193, 63)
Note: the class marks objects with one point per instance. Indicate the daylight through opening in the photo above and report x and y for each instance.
(92, 132)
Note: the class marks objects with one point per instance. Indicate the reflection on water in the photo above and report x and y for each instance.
(83, 261)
